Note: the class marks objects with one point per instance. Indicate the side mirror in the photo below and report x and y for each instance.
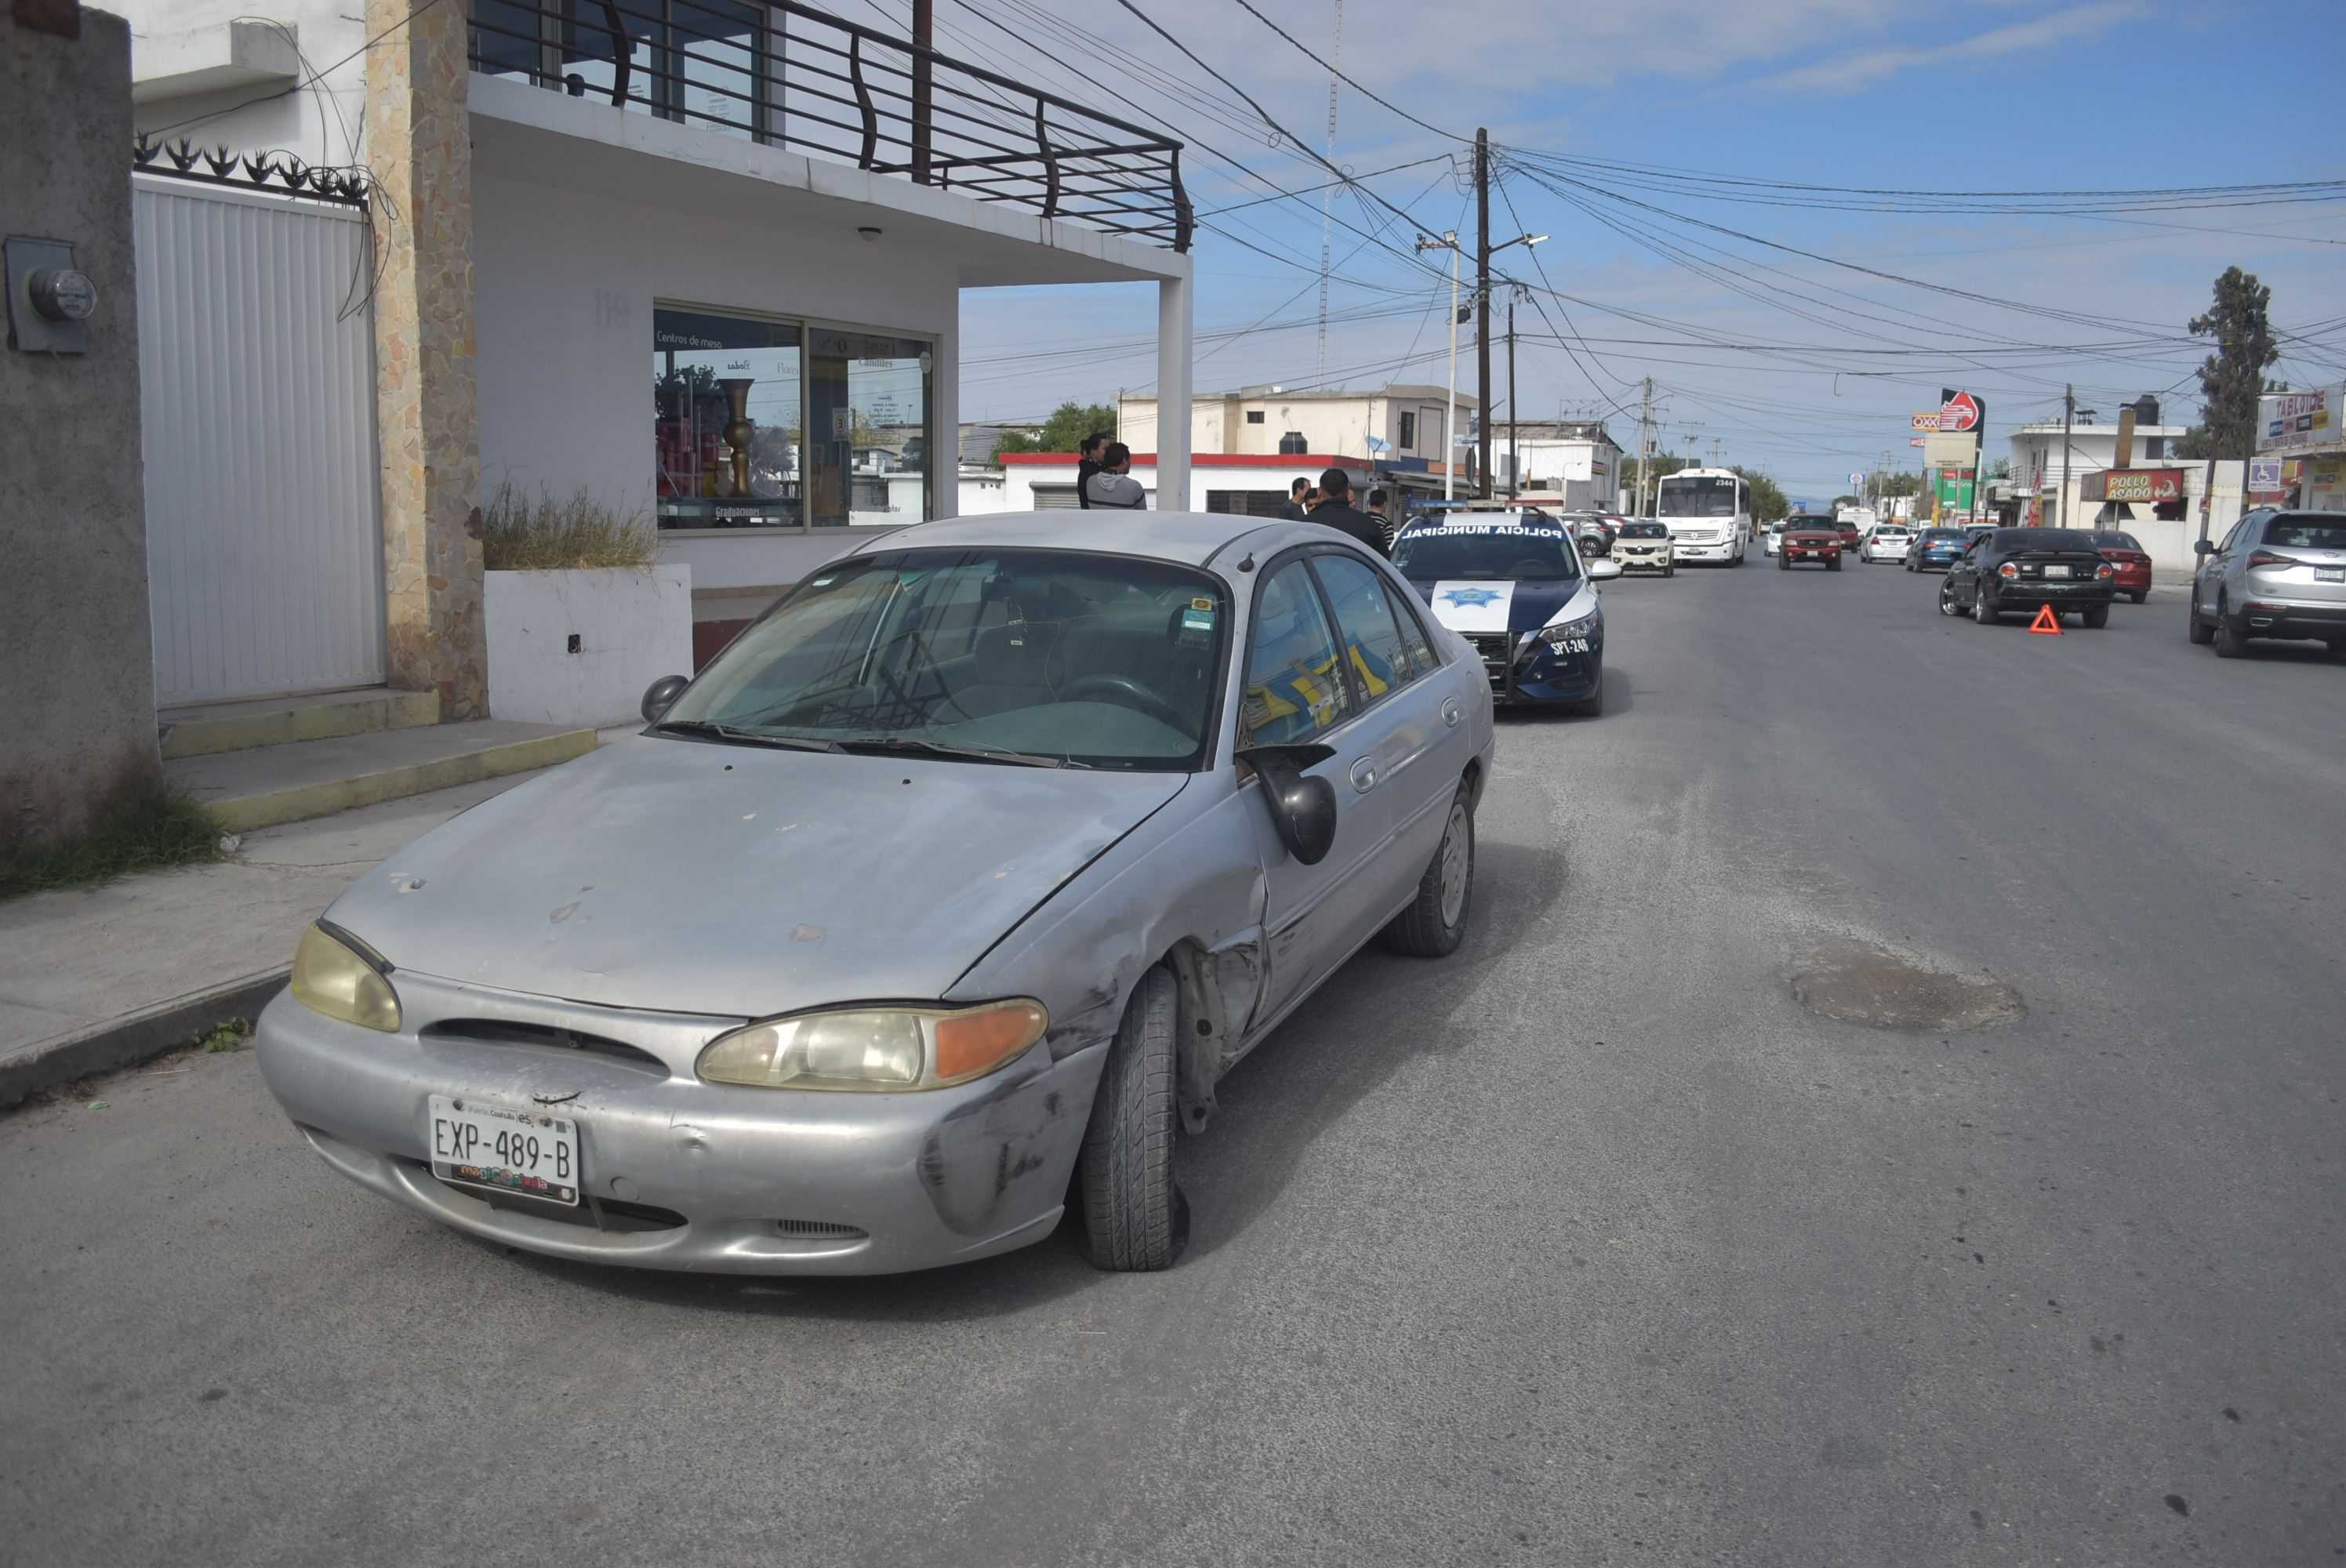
(1603, 569)
(2203, 546)
(661, 695)
(1302, 809)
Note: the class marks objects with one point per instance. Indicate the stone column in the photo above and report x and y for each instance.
(419, 144)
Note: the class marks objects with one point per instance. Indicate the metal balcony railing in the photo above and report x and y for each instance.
(790, 76)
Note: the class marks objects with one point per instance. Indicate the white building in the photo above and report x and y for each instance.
(1572, 464)
(2167, 529)
(1401, 425)
(766, 254)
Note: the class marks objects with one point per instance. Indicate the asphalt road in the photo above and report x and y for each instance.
(1592, 1245)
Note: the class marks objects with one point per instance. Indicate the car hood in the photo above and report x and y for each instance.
(680, 876)
(1483, 605)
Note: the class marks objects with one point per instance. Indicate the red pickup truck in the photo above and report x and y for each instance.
(1810, 539)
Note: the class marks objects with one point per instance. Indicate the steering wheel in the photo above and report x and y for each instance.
(1130, 693)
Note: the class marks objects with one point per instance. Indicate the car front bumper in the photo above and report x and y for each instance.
(1634, 560)
(1686, 551)
(688, 1175)
(1796, 554)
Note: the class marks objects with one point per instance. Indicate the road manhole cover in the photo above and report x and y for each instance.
(1857, 983)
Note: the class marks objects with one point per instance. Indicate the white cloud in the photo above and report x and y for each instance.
(1872, 66)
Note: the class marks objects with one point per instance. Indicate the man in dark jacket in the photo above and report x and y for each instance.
(1293, 511)
(1336, 511)
(1087, 466)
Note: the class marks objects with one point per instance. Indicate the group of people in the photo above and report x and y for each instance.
(1104, 480)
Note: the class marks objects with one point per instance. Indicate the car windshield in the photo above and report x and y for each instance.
(1644, 531)
(1696, 498)
(1942, 535)
(1809, 524)
(2107, 541)
(1888, 530)
(1499, 550)
(1035, 656)
(2306, 533)
(2043, 539)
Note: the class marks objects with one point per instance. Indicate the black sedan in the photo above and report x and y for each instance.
(2023, 569)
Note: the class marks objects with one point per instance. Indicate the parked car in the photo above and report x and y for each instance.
(1513, 586)
(1645, 546)
(2010, 569)
(1887, 542)
(1936, 549)
(2277, 573)
(2133, 561)
(1773, 537)
(955, 879)
(1852, 535)
(1595, 535)
(1810, 539)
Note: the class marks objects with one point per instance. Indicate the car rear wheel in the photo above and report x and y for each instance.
(2229, 643)
(1982, 607)
(2095, 616)
(2139, 595)
(1435, 923)
(1134, 1218)
(2198, 631)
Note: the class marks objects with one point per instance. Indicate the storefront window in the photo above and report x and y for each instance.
(868, 401)
(834, 423)
(705, 367)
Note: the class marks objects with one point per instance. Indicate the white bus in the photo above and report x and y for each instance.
(1709, 513)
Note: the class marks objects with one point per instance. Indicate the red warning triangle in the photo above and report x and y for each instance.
(2046, 623)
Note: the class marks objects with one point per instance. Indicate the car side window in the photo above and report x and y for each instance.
(1372, 645)
(1423, 659)
(1294, 689)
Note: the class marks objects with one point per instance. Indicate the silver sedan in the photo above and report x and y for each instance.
(948, 891)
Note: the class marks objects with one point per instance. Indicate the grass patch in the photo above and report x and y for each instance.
(138, 829)
(228, 1034)
(560, 533)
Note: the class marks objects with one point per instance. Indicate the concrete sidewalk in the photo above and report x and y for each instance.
(94, 979)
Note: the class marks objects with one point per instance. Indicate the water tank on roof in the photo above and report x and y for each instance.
(2145, 410)
(1292, 445)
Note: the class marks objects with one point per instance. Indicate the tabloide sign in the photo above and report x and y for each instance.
(2290, 420)
(2142, 486)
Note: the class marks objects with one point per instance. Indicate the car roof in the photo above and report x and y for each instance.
(1526, 517)
(1191, 538)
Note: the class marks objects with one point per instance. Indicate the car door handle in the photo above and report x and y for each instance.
(1365, 775)
(1449, 711)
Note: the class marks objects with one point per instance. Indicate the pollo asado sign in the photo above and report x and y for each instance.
(2142, 486)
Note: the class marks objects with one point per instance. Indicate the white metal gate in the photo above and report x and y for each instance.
(256, 406)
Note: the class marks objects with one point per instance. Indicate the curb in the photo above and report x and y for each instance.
(122, 1042)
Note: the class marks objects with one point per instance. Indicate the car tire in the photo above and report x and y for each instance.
(1784, 563)
(2227, 635)
(1984, 609)
(1671, 570)
(2139, 595)
(2200, 632)
(2338, 648)
(1134, 1218)
(1947, 605)
(1427, 929)
(1593, 704)
(1833, 564)
(2095, 616)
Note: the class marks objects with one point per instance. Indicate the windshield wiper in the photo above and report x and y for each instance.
(715, 731)
(888, 743)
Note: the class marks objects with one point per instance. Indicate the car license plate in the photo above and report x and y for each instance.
(2329, 574)
(526, 1153)
(2056, 571)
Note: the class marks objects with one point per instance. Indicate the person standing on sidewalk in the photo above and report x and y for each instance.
(1335, 511)
(1114, 488)
(1087, 465)
(1378, 501)
(1295, 511)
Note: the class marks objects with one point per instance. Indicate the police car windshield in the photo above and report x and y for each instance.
(1501, 550)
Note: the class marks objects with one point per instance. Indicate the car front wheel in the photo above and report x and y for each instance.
(1947, 605)
(1982, 607)
(1134, 1218)
(1435, 923)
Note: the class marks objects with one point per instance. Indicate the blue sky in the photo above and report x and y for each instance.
(2100, 95)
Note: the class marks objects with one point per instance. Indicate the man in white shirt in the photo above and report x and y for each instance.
(1114, 488)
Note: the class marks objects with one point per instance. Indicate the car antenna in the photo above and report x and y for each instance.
(1246, 565)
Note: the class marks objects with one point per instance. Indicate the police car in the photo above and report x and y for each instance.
(1513, 584)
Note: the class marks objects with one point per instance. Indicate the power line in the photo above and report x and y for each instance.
(1332, 70)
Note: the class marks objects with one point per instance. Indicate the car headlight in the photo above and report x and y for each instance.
(338, 975)
(874, 1048)
(1580, 626)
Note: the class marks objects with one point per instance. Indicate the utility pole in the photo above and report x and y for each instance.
(1644, 443)
(1482, 306)
(1328, 193)
(2068, 410)
(924, 71)
(1514, 462)
(1450, 409)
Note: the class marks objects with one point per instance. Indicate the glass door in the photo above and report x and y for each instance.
(868, 448)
